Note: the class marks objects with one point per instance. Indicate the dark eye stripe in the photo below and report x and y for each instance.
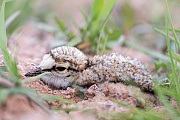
(61, 68)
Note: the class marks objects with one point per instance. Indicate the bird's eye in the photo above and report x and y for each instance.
(61, 68)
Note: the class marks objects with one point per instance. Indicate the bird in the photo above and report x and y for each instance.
(69, 67)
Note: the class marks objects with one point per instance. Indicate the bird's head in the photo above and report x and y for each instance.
(63, 64)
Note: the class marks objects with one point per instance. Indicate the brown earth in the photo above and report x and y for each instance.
(96, 104)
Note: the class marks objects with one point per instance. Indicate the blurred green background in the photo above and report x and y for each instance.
(129, 18)
(96, 26)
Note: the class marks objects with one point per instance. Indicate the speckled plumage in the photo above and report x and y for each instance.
(77, 69)
(69, 56)
(116, 68)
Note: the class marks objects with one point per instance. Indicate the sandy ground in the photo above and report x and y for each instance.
(98, 102)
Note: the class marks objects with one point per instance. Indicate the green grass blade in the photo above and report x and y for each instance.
(96, 8)
(60, 24)
(46, 27)
(100, 36)
(107, 9)
(138, 114)
(93, 24)
(172, 26)
(105, 44)
(10, 62)
(161, 32)
(12, 66)
(11, 18)
(3, 37)
(39, 102)
(103, 15)
(84, 16)
(164, 34)
(54, 98)
(74, 42)
(175, 56)
(3, 95)
(173, 63)
(170, 29)
(31, 94)
(2, 74)
(171, 112)
(3, 68)
(25, 7)
(31, 79)
(147, 51)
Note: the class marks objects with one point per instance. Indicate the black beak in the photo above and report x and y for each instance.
(35, 72)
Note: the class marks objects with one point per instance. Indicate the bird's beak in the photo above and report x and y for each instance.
(35, 72)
